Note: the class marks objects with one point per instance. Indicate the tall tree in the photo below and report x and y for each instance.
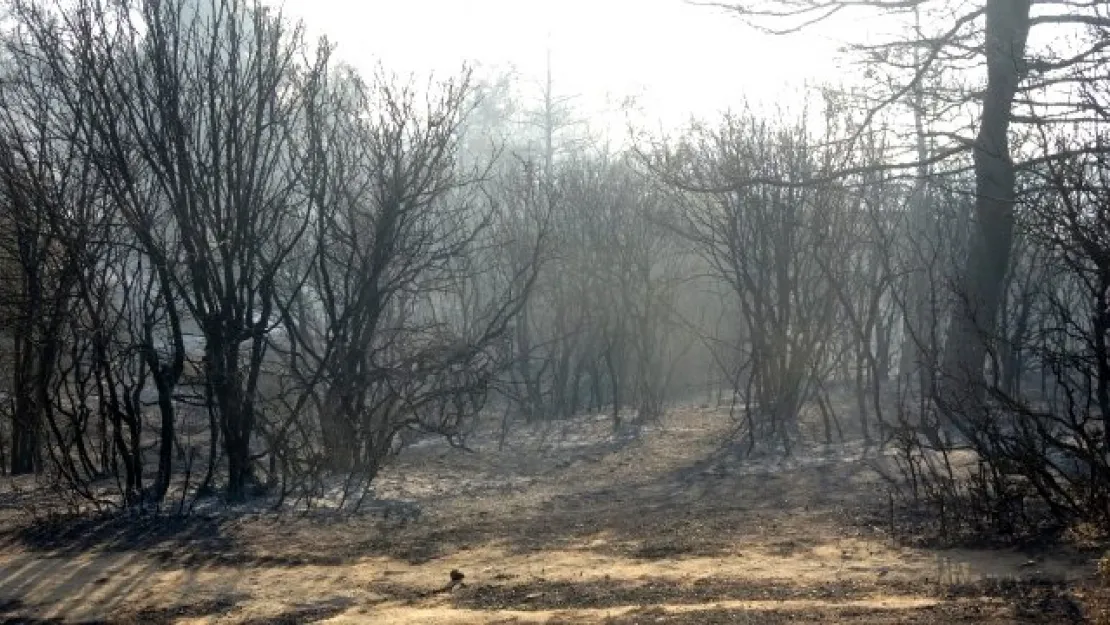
(986, 43)
(197, 106)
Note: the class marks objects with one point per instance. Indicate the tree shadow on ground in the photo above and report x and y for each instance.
(305, 613)
(115, 533)
(10, 615)
(172, 614)
(560, 595)
(1035, 600)
(684, 511)
(296, 615)
(186, 541)
(74, 587)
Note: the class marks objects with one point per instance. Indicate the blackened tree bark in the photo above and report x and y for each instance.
(979, 287)
(198, 105)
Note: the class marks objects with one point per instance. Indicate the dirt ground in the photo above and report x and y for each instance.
(568, 525)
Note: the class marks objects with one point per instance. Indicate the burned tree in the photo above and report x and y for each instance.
(50, 214)
(195, 106)
(374, 331)
(990, 43)
(757, 206)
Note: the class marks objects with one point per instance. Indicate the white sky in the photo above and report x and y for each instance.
(676, 58)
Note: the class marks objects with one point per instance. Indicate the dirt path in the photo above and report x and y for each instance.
(582, 531)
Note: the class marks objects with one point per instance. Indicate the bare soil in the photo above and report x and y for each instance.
(567, 525)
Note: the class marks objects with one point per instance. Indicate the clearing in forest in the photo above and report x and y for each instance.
(566, 525)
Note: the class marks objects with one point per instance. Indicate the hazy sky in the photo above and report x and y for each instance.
(675, 58)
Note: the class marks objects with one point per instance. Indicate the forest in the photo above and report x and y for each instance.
(245, 284)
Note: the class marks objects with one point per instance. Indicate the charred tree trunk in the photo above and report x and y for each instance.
(25, 432)
(615, 381)
(234, 420)
(532, 400)
(979, 285)
(338, 431)
(166, 377)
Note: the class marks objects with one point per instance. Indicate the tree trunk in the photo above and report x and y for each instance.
(615, 382)
(166, 378)
(26, 416)
(24, 433)
(979, 286)
(917, 323)
(532, 398)
(166, 435)
(339, 436)
(234, 420)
